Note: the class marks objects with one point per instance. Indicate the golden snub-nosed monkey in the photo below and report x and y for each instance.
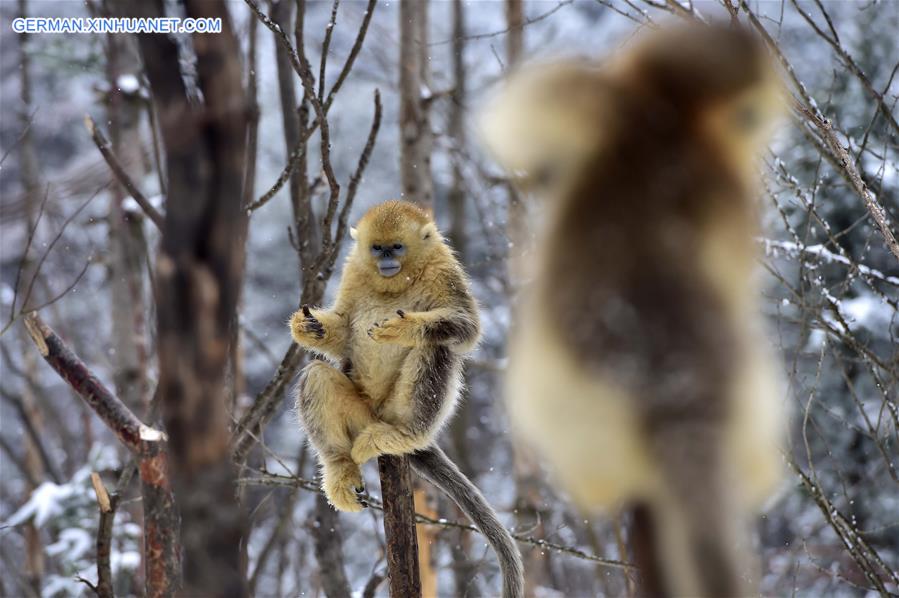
(637, 365)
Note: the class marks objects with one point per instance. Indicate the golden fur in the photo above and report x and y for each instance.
(372, 408)
(395, 342)
(638, 366)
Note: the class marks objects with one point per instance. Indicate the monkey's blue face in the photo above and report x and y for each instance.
(388, 257)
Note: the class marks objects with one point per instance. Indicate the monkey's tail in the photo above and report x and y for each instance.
(695, 523)
(433, 465)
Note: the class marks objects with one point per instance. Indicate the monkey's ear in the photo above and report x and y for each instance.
(428, 230)
(353, 233)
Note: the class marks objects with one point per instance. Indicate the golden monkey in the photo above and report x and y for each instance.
(638, 367)
(395, 339)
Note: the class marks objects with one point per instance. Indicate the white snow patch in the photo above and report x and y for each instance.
(73, 542)
(45, 502)
(128, 83)
(6, 294)
(868, 311)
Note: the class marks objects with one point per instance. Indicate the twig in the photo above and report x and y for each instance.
(266, 401)
(325, 150)
(19, 462)
(848, 165)
(32, 432)
(270, 479)
(773, 246)
(21, 136)
(107, 506)
(354, 52)
(28, 242)
(371, 586)
(849, 62)
(353, 186)
(862, 552)
(103, 145)
(292, 160)
(53, 243)
(283, 39)
(65, 291)
(525, 23)
(326, 46)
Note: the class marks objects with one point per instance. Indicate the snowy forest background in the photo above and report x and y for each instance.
(832, 288)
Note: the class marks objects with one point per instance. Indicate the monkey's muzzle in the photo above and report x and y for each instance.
(388, 267)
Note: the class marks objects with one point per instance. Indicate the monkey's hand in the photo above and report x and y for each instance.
(405, 330)
(319, 330)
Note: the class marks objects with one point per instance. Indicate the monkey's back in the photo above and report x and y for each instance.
(641, 315)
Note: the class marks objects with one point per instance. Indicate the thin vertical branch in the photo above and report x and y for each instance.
(456, 131)
(107, 506)
(415, 128)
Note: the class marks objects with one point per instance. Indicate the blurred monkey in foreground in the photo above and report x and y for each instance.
(638, 367)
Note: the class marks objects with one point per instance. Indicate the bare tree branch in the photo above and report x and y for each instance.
(270, 479)
(354, 52)
(103, 145)
(32, 432)
(878, 214)
(107, 505)
(113, 412)
(525, 23)
(834, 41)
(161, 561)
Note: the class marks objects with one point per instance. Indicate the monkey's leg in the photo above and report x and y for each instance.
(422, 399)
(333, 413)
(385, 439)
(699, 521)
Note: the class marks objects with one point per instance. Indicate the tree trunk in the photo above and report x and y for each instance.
(127, 244)
(328, 546)
(456, 131)
(399, 527)
(426, 538)
(516, 226)
(293, 119)
(417, 185)
(30, 177)
(416, 138)
(199, 269)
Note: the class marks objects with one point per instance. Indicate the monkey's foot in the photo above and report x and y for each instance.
(382, 439)
(342, 483)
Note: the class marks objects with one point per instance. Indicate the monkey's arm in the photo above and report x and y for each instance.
(453, 327)
(321, 331)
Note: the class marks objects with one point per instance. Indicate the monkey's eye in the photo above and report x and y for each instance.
(376, 247)
(397, 246)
